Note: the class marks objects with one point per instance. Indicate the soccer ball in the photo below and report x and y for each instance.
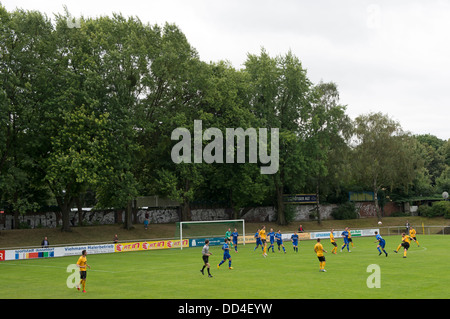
(380, 223)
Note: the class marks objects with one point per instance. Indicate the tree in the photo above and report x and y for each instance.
(328, 130)
(25, 50)
(384, 155)
(280, 99)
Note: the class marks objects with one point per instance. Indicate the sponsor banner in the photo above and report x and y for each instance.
(2, 255)
(248, 239)
(214, 241)
(301, 236)
(150, 245)
(30, 253)
(56, 251)
(338, 234)
(300, 198)
(369, 232)
(91, 249)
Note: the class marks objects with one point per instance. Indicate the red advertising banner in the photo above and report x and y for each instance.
(149, 245)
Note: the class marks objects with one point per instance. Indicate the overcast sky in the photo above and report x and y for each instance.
(385, 56)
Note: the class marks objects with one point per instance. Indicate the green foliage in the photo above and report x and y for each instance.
(438, 209)
(344, 211)
(93, 108)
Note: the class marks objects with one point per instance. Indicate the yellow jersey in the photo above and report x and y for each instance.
(412, 232)
(82, 262)
(262, 234)
(332, 238)
(406, 239)
(318, 248)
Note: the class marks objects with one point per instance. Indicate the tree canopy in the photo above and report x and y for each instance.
(91, 107)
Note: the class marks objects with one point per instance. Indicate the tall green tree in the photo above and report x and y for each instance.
(328, 132)
(384, 155)
(280, 93)
(25, 53)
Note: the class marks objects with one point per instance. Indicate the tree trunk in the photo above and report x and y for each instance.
(319, 219)
(80, 211)
(128, 216)
(64, 204)
(281, 217)
(375, 198)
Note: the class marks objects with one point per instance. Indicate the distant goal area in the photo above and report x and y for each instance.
(215, 231)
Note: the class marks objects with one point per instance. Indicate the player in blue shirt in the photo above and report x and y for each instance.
(272, 239)
(226, 254)
(346, 242)
(381, 243)
(258, 240)
(279, 240)
(294, 239)
(235, 235)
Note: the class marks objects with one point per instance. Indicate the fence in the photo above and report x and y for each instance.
(421, 230)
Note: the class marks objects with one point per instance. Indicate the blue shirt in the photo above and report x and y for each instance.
(271, 236)
(379, 238)
(278, 237)
(294, 238)
(235, 236)
(345, 234)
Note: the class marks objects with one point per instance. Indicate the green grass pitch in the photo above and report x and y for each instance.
(175, 274)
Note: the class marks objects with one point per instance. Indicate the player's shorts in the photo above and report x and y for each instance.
(205, 259)
(235, 241)
(345, 241)
(382, 243)
(334, 244)
(279, 242)
(263, 241)
(295, 243)
(350, 240)
(414, 238)
(321, 258)
(83, 275)
(258, 241)
(226, 256)
(405, 245)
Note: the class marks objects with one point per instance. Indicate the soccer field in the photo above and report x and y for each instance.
(175, 274)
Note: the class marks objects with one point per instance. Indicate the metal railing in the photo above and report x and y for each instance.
(420, 230)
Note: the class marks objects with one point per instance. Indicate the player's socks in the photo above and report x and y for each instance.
(399, 246)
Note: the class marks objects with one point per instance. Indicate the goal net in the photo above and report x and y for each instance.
(209, 229)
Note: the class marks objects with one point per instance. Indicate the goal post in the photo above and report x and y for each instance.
(210, 228)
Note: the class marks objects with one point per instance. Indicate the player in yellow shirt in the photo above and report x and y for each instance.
(82, 264)
(262, 235)
(404, 244)
(412, 234)
(318, 248)
(350, 240)
(333, 242)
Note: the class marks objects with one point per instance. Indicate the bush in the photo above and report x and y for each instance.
(345, 211)
(441, 208)
(438, 209)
